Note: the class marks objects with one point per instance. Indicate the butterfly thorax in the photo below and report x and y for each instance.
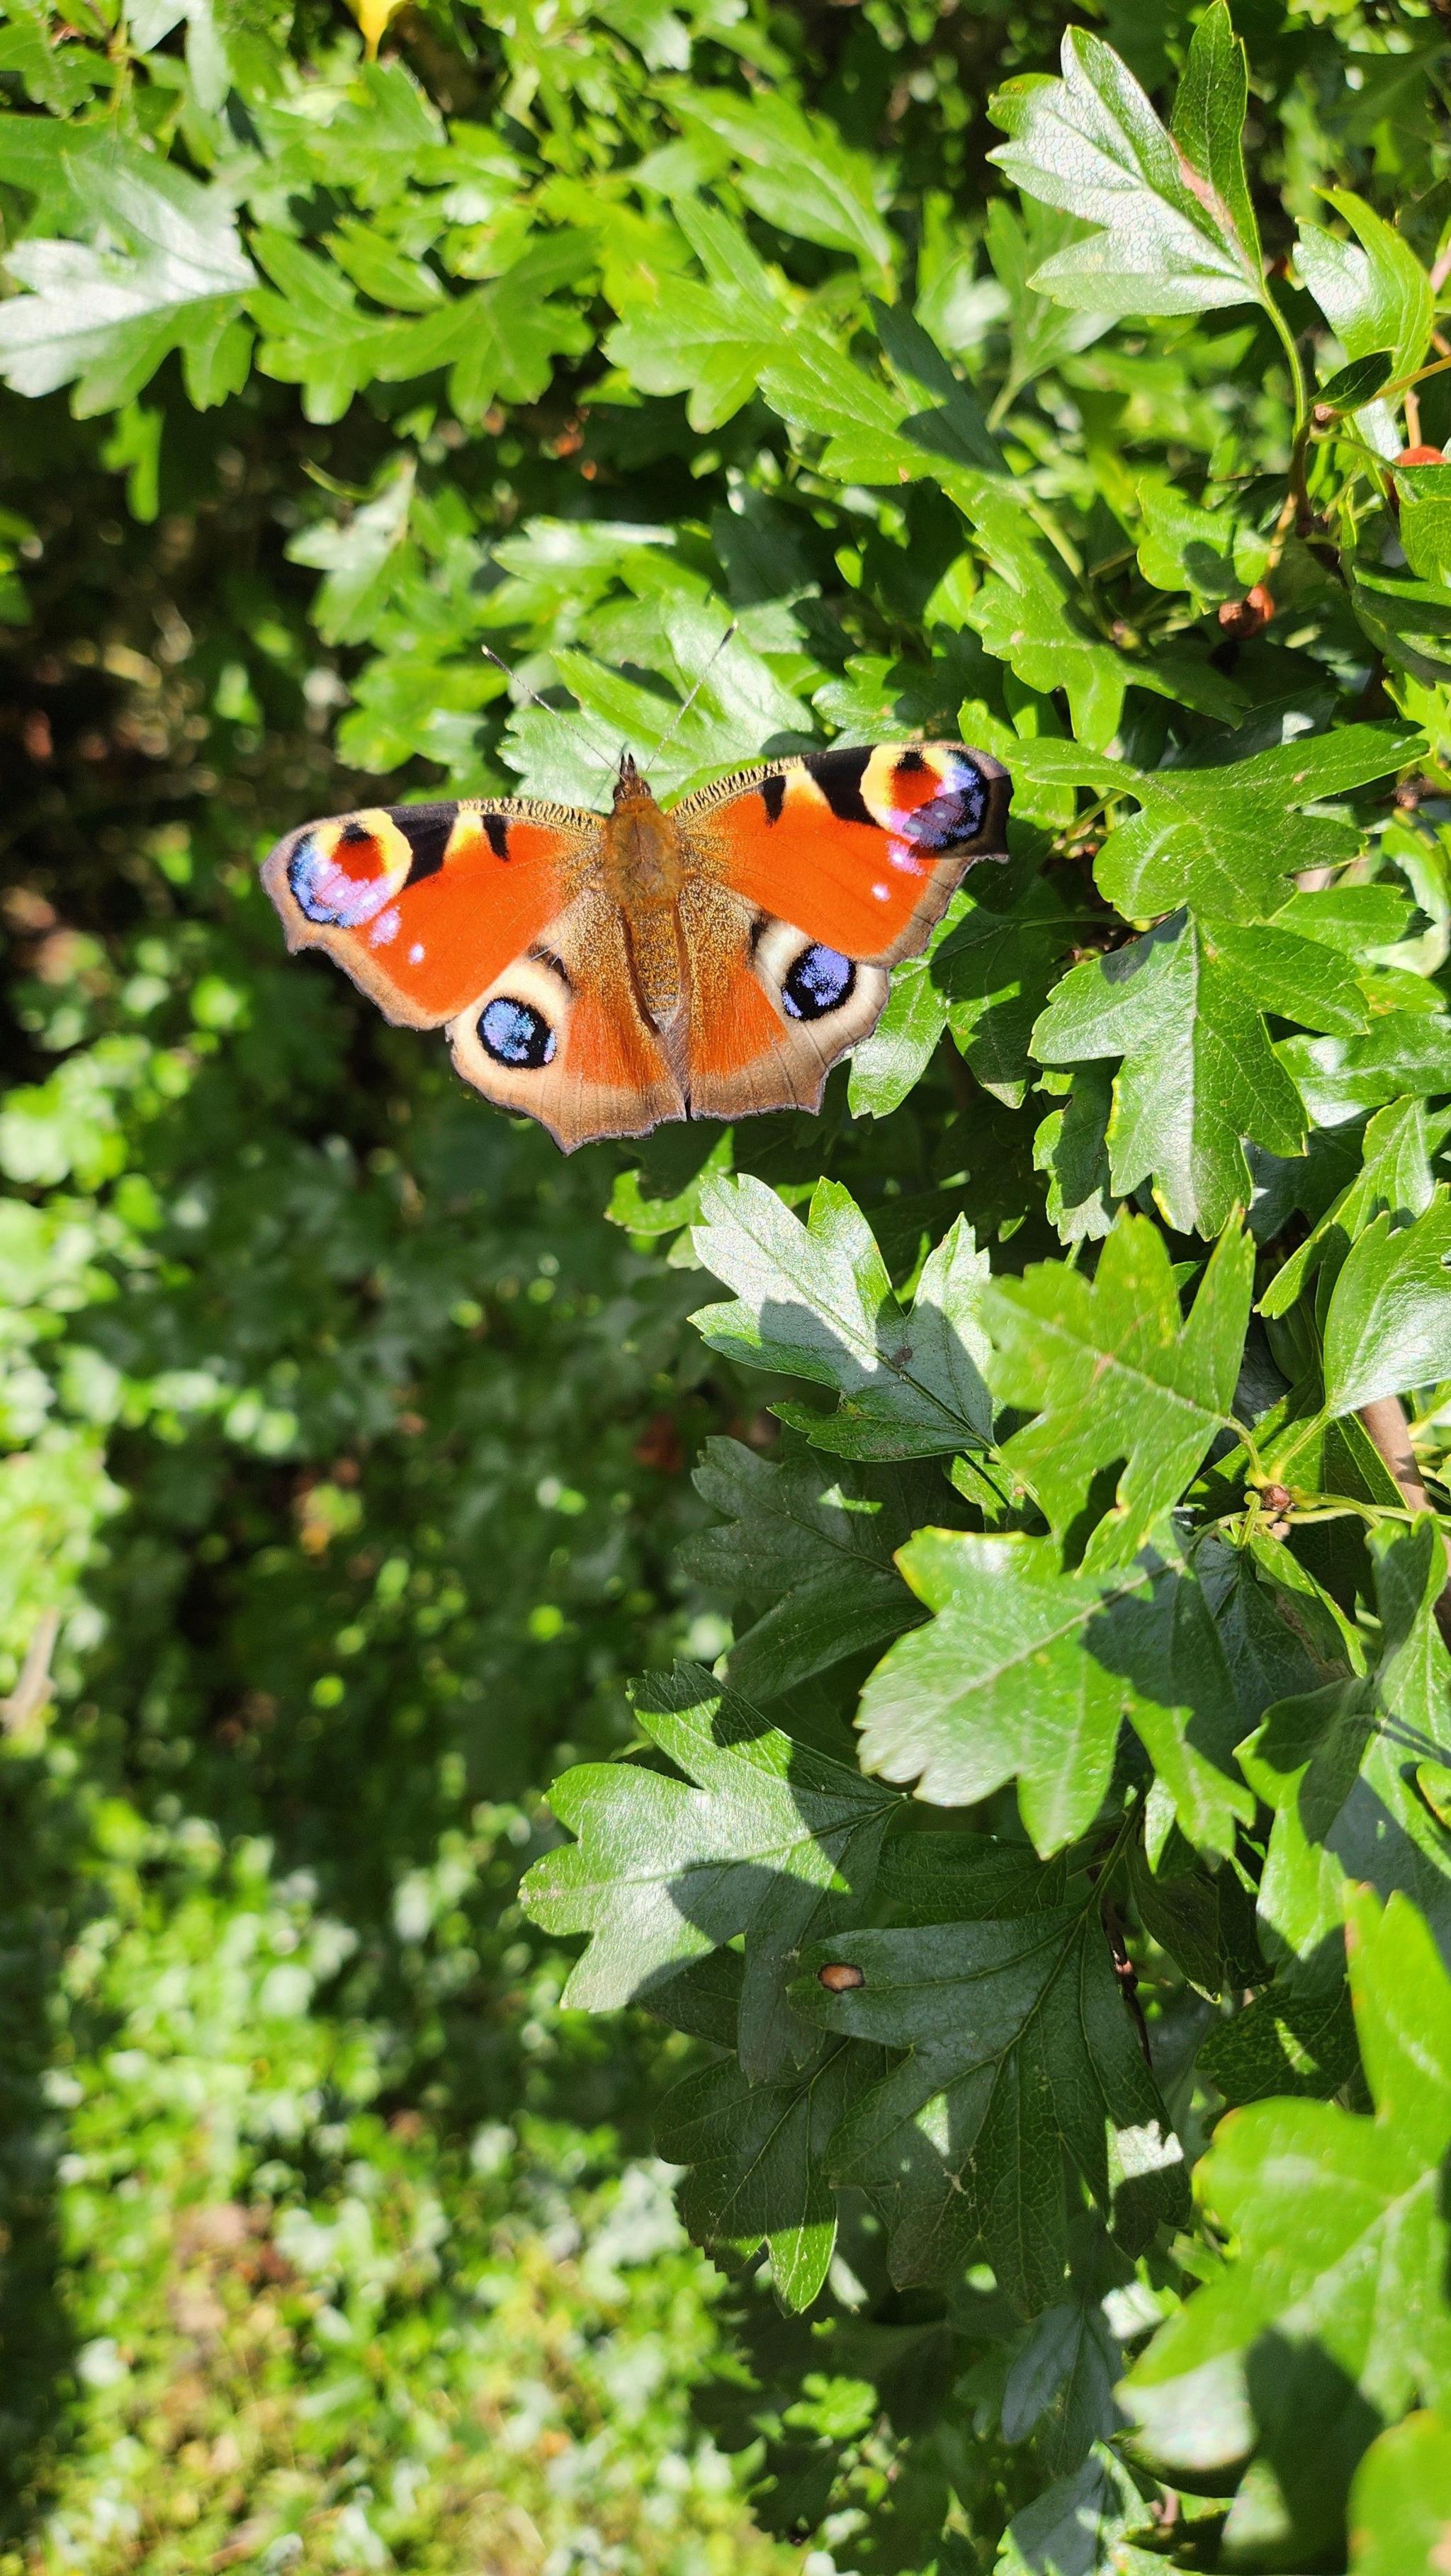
(643, 861)
(643, 871)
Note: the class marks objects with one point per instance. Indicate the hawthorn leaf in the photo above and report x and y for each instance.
(1400, 2502)
(1333, 2292)
(1026, 1672)
(501, 341)
(1021, 2050)
(1340, 1766)
(1225, 837)
(315, 333)
(1425, 521)
(1184, 1007)
(1175, 232)
(1395, 1177)
(1388, 1324)
(1078, 2526)
(1027, 616)
(762, 1837)
(996, 969)
(936, 1877)
(721, 332)
(890, 1063)
(1071, 1146)
(104, 319)
(1339, 1078)
(1374, 294)
(794, 169)
(1019, 243)
(1062, 2381)
(816, 1302)
(357, 557)
(755, 2155)
(815, 1543)
(1296, 2037)
(1116, 1376)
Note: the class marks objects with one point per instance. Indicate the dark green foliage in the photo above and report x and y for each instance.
(1069, 1436)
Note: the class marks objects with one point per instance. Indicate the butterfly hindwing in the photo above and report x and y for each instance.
(424, 905)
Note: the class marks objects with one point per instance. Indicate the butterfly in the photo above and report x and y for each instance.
(605, 972)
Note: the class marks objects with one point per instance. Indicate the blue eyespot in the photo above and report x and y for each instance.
(820, 981)
(512, 1033)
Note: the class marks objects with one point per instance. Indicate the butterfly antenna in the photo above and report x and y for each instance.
(530, 696)
(683, 710)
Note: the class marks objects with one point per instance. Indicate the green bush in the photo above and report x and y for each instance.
(1067, 1452)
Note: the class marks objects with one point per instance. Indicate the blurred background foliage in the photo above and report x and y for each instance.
(347, 1426)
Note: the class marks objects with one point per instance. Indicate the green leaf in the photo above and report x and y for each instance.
(1388, 1326)
(315, 333)
(1400, 2503)
(1061, 2383)
(1071, 1146)
(771, 1838)
(1358, 383)
(105, 318)
(1394, 1177)
(794, 169)
(1040, 333)
(756, 2155)
(1175, 229)
(1117, 1377)
(721, 334)
(1425, 494)
(1298, 2036)
(1340, 1078)
(816, 1302)
(501, 341)
(1375, 296)
(1185, 1009)
(816, 1544)
(1021, 2052)
(358, 558)
(1226, 835)
(996, 968)
(1027, 616)
(1340, 1766)
(1026, 1672)
(1076, 2527)
(1339, 2257)
(1214, 554)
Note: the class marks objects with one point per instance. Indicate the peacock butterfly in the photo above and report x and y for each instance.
(606, 971)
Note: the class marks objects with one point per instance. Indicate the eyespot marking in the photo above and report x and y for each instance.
(820, 981)
(515, 1034)
(327, 890)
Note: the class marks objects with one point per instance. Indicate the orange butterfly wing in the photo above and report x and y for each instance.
(486, 917)
(423, 905)
(814, 877)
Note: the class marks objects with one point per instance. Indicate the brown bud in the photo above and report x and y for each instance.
(839, 1978)
(1276, 1498)
(1246, 616)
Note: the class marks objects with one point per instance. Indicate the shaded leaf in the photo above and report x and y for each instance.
(816, 1302)
(769, 1835)
(1021, 2051)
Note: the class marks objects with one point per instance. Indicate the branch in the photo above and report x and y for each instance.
(34, 1686)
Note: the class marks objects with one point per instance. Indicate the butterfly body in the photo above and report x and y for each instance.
(604, 973)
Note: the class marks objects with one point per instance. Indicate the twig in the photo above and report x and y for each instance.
(34, 1686)
(1125, 1971)
(1386, 1426)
